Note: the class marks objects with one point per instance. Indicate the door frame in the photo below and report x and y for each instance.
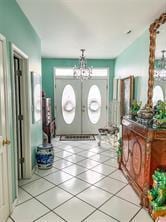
(8, 121)
(27, 166)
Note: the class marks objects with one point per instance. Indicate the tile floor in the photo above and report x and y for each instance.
(83, 185)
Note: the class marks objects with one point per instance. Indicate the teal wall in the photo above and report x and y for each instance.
(17, 29)
(49, 64)
(135, 61)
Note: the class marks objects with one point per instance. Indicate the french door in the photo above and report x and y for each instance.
(4, 184)
(81, 106)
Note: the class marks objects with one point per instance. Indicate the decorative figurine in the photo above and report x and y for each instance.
(157, 195)
(145, 115)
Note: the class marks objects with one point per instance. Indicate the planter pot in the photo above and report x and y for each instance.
(45, 156)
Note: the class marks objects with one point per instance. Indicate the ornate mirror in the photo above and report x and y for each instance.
(157, 61)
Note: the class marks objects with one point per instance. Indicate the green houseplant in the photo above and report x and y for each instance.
(135, 107)
(159, 119)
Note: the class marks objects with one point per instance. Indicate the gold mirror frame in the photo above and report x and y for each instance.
(153, 32)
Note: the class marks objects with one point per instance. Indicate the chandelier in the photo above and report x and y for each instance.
(160, 71)
(82, 72)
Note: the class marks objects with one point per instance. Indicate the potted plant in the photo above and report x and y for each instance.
(159, 119)
(135, 107)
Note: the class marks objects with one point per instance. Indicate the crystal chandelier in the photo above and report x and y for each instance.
(160, 71)
(82, 72)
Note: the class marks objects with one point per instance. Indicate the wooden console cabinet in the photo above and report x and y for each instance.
(143, 151)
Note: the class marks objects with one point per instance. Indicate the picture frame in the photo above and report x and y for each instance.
(126, 94)
(36, 97)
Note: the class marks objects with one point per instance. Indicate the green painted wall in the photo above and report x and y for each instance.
(135, 61)
(48, 65)
(17, 29)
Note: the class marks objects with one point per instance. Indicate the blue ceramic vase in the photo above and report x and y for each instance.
(45, 156)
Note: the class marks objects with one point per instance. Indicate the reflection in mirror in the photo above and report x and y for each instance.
(160, 54)
(159, 90)
(157, 44)
(158, 94)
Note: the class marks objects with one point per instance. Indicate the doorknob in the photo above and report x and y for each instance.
(5, 142)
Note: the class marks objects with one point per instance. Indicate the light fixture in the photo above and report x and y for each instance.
(160, 71)
(82, 72)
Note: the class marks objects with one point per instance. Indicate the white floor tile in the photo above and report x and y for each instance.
(94, 196)
(93, 188)
(22, 196)
(74, 158)
(112, 162)
(26, 181)
(74, 186)
(87, 163)
(76, 150)
(56, 158)
(119, 176)
(54, 197)
(110, 185)
(86, 153)
(37, 187)
(58, 177)
(65, 146)
(63, 154)
(72, 143)
(129, 194)
(45, 172)
(103, 169)
(100, 158)
(57, 150)
(98, 216)
(96, 150)
(74, 210)
(50, 217)
(29, 211)
(142, 216)
(60, 164)
(90, 176)
(74, 169)
(120, 209)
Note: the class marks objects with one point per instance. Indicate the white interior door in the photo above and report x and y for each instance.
(4, 186)
(68, 103)
(94, 105)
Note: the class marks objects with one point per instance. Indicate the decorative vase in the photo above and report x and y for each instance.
(45, 156)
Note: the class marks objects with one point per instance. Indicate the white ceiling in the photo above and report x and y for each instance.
(99, 26)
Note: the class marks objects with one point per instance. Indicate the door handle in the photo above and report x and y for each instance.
(5, 142)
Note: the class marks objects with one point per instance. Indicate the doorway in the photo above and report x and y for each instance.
(4, 140)
(21, 85)
(81, 106)
(18, 78)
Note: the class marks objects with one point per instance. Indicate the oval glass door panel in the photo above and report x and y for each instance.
(94, 104)
(68, 104)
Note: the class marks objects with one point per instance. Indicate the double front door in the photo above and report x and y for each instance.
(81, 106)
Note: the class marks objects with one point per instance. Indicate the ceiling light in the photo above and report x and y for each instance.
(128, 32)
(160, 70)
(82, 72)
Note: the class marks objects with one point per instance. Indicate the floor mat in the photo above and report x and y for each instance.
(76, 137)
